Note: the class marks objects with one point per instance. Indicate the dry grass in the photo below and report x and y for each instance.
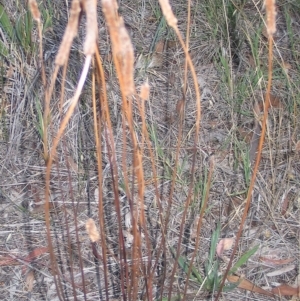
(124, 150)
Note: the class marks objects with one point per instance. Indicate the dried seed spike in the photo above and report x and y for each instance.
(69, 35)
(92, 230)
(145, 91)
(127, 59)
(271, 16)
(168, 13)
(121, 44)
(91, 27)
(35, 11)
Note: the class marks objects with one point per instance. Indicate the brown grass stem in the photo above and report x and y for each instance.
(97, 131)
(172, 21)
(258, 158)
(114, 174)
(187, 41)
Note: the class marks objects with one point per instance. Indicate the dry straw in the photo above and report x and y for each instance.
(69, 35)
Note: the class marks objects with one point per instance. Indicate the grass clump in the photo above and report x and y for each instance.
(126, 172)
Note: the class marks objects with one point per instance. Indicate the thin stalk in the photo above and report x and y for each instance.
(255, 170)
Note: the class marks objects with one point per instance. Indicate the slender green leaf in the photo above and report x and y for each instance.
(243, 259)
(184, 264)
(229, 287)
(5, 23)
(28, 29)
(40, 122)
(47, 19)
(216, 276)
(3, 49)
(212, 280)
(19, 32)
(213, 245)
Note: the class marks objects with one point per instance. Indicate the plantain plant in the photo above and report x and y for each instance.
(212, 280)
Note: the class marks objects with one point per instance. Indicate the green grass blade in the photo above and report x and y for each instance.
(5, 23)
(243, 259)
(213, 245)
(19, 32)
(47, 19)
(28, 29)
(230, 287)
(3, 49)
(213, 279)
(184, 264)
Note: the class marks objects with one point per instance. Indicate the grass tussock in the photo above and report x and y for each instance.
(152, 154)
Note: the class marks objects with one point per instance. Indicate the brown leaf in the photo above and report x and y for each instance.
(284, 205)
(286, 290)
(172, 78)
(72, 163)
(32, 255)
(297, 148)
(251, 60)
(213, 123)
(39, 208)
(5, 261)
(274, 102)
(29, 280)
(276, 261)
(180, 106)
(246, 135)
(35, 253)
(224, 245)
(248, 285)
(159, 47)
(281, 271)
(286, 66)
(171, 44)
(157, 58)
